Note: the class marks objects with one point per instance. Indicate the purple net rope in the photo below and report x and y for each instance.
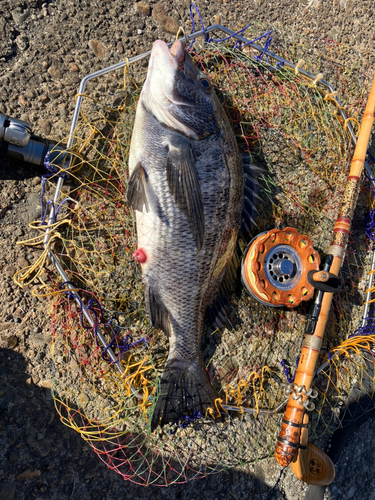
(286, 368)
(52, 170)
(123, 344)
(238, 43)
(183, 421)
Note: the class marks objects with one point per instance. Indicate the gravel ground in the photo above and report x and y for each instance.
(45, 50)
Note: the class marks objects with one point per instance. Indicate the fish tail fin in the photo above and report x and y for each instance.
(184, 389)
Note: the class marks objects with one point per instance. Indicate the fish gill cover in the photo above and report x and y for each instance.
(293, 130)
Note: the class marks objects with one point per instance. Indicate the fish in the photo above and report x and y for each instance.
(186, 186)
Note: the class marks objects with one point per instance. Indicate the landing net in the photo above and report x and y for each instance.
(293, 129)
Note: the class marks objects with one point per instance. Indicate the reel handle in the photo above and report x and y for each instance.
(321, 276)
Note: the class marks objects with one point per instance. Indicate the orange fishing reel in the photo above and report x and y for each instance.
(276, 265)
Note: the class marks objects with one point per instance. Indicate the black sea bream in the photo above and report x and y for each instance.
(186, 185)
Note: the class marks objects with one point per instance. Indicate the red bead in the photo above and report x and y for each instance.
(140, 256)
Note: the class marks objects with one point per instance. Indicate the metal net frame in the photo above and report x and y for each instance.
(108, 359)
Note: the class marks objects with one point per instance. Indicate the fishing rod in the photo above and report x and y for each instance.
(309, 463)
(20, 142)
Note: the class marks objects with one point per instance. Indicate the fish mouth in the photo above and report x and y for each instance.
(159, 93)
(178, 52)
(175, 55)
(168, 61)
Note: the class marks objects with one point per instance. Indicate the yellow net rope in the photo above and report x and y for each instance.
(293, 129)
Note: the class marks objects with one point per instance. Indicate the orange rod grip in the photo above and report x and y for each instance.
(289, 437)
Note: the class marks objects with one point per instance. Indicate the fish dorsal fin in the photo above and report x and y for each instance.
(185, 189)
(219, 309)
(158, 314)
(251, 198)
(136, 195)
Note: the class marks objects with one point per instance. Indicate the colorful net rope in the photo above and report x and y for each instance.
(291, 128)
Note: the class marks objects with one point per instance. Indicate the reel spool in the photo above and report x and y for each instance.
(275, 266)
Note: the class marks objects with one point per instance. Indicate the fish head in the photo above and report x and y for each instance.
(177, 93)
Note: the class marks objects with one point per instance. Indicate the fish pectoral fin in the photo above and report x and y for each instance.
(136, 195)
(185, 189)
(157, 312)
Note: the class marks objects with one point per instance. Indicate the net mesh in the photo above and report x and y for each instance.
(294, 131)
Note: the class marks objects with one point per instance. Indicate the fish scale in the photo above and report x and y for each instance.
(186, 185)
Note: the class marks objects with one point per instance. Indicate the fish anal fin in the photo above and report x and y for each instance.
(136, 195)
(184, 389)
(219, 309)
(185, 189)
(158, 314)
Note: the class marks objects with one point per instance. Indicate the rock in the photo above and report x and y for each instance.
(23, 100)
(98, 48)
(143, 7)
(46, 384)
(54, 72)
(166, 22)
(7, 491)
(45, 126)
(63, 110)
(43, 99)
(5, 326)
(29, 474)
(21, 262)
(12, 341)
(39, 340)
(10, 271)
(158, 13)
(48, 397)
(73, 67)
(74, 365)
(170, 25)
(30, 93)
(120, 48)
(20, 17)
(22, 42)
(82, 400)
(14, 456)
(54, 93)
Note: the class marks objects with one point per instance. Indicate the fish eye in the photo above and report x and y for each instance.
(205, 83)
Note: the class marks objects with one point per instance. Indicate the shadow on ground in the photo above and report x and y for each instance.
(42, 459)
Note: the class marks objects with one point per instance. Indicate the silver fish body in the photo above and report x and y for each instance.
(186, 185)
